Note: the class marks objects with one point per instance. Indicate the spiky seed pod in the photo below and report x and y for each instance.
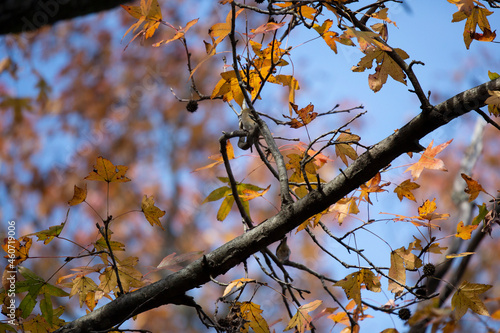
(404, 314)
(429, 269)
(192, 106)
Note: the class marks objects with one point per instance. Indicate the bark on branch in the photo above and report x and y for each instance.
(170, 289)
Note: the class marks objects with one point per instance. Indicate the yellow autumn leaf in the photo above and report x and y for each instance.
(465, 232)
(302, 320)
(459, 255)
(345, 207)
(236, 284)
(79, 196)
(252, 314)
(151, 212)
(105, 171)
(401, 260)
(150, 12)
(343, 148)
(493, 102)
(467, 297)
(404, 190)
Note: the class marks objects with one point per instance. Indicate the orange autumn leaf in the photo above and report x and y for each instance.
(219, 31)
(371, 186)
(473, 187)
(79, 195)
(343, 148)
(150, 12)
(179, 33)
(404, 190)
(20, 248)
(305, 116)
(428, 160)
(476, 17)
(105, 171)
(486, 36)
(302, 320)
(151, 212)
(465, 232)
(266, 27)
(426, 211)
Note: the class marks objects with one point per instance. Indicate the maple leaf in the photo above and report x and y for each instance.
(331, 37)
(466, 297)
(252, 314)
(404, 190)
(477, 17)
(372, 186)
(151, 212)
(493, 102)
(426, 211)
(345, 207)
(48, 235)
(385, 66)
(302, 320)
(179, 33)
(343, 148)
(219, 31)
(79, 196)
(150, 12)
(236, 284)
(465, 232)
(102, 245)
(473, 187)
(270, 56)
(352, 284)
(105, 171)
(229, 88)
(130, 277)
(21, 249)
(382, 15)
(172, 261)
(401, 260)
(367, 40)
(81, 286)
(306, 115)
(483, 211)
(428, 160)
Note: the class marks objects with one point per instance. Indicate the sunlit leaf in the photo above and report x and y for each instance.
(105, 171)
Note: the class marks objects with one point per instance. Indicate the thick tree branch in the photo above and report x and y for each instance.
(219, 261)
(29, 15)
